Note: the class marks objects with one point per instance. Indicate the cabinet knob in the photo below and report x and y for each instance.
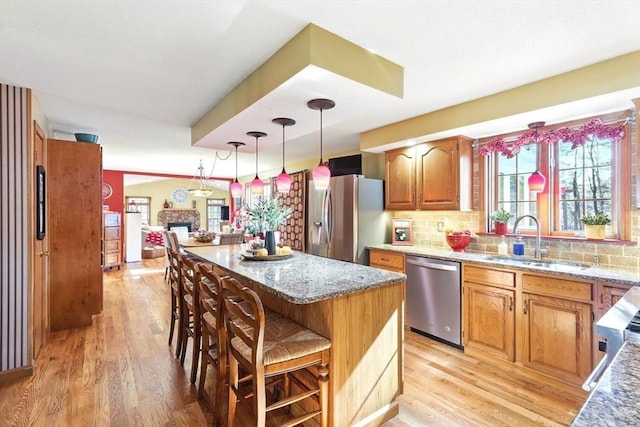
(44, 253)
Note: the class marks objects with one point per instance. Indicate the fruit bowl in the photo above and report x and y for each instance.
(458, 242)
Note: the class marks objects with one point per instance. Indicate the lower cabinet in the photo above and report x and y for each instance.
(386, 260)
(541, 322)
(490, 324)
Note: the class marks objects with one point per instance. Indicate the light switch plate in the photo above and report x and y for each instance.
(440, 226)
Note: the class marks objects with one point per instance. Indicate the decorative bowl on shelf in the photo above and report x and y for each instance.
(86, 137)
(458, 242)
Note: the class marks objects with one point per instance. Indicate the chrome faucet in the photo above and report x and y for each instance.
(538, 253)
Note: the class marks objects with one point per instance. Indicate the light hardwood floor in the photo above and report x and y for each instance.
(121, 372)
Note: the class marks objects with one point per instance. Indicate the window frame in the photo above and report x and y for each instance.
(548, 200)
(127, 199)
(213, 202)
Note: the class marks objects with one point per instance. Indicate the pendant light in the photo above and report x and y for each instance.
(283, 181)
(201, 189)
(536, 181)
(257, 186)
(321, 174)
(236, 187)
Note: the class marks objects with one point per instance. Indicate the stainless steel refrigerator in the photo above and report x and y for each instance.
(347, 217)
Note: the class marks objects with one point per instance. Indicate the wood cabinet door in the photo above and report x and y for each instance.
(557, 337)
(400, 185)
(490, 320)
(74, 215)
(437, 175)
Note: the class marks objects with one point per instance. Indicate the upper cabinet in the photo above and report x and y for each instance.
(436, 175)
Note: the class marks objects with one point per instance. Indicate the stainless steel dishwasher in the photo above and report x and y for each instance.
(433, 298)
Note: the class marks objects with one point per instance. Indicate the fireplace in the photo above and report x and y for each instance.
(179, 224)
(168, 218)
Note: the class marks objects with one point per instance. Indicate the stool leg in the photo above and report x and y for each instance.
(204, 363)
(180, 327)
(233, 386)
(323, 377)
(196, 349)
(173, 317)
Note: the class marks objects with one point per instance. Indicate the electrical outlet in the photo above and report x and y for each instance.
(440, 226)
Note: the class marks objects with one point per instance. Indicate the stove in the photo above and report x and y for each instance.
(621, 323)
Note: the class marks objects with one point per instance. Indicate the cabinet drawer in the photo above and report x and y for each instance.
(112, 246)
(488, 276)
(113, 258)
(569, 289)
(386, 260)
(111, 233)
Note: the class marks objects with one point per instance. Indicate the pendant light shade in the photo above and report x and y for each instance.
(236, 187)
(321, 173)
(257, 186)
(536, 181)
(283, 181)
(200, 181)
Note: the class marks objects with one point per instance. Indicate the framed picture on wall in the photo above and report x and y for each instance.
(40, 202)
(401, 233)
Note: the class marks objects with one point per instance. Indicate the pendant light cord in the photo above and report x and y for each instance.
(283, 147)
(320, 137)
(256, 157)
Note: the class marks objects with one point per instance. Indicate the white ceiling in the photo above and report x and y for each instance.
(140, 73)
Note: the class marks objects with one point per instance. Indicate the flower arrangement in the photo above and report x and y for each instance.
(597, 219)
(204, 236)
(578, 137)
(267, 214)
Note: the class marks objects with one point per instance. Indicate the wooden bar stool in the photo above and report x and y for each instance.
(176, 297)
(190, 313)
(272, 350)
(213, 349)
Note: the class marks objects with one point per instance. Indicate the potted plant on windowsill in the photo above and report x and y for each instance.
(500, 220)
(594, 225)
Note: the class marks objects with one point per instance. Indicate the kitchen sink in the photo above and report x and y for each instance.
(554, 265)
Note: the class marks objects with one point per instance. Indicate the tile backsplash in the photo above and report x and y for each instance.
(425, 233)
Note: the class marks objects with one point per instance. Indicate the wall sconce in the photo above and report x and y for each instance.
(321, 174)
(283, 181)
(236, 187)
(257, 186)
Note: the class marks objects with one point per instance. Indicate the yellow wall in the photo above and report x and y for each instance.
(159, 191)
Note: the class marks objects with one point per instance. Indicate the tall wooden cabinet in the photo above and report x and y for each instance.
(111, 241)
(74, 230)
(435, 175)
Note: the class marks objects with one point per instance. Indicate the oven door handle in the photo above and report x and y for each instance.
(592, 379)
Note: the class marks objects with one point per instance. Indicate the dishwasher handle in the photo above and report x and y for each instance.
(432, 265)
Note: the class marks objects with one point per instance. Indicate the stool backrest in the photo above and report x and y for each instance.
(244, 321)
(211, 294)
(175, 265)
(172, 240)
(190, 280)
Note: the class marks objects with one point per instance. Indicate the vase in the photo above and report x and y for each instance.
(270, 242)
(501, 227)
(594, 231)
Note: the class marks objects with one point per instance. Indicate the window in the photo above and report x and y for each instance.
(580, 179)
(141, 205)
(214, 214)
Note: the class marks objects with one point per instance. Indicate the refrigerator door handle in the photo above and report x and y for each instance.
(326, 211)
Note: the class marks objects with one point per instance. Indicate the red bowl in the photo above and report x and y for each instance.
(458, 243)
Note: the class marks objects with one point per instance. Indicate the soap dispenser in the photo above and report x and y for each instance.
(518, 246)
(502, 247)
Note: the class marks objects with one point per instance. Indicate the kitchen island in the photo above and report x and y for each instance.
(359, 308)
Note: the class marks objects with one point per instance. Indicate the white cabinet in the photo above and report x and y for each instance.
(133, 237)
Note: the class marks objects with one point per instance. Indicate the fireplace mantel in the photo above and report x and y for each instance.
(165, 216)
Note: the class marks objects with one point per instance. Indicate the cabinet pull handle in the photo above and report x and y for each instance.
(510, 303)
(601, 298)
(384, 259)
(524, 307)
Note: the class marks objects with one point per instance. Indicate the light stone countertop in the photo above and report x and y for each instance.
(612, 275)
(616, 399)
(301, 278)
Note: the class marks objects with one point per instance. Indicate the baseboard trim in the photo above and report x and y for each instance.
(15, 374)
